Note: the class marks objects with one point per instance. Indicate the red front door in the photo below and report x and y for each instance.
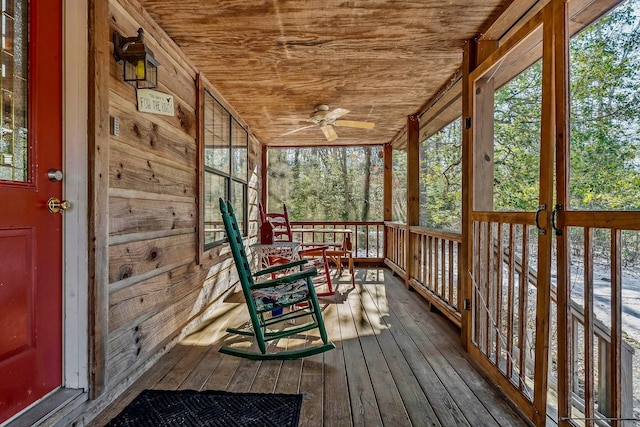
(30, 235)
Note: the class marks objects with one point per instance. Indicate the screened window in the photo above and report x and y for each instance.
(441, 179)
(225, 145)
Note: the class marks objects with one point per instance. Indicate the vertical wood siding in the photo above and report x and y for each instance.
(155, 285)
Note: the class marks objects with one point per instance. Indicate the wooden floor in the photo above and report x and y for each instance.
(395, 364)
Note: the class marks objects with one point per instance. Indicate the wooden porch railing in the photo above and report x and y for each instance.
(435, 270)
(435, 274)
(367, 238)
(396, 246)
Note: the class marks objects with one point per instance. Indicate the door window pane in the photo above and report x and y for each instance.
(13, 92)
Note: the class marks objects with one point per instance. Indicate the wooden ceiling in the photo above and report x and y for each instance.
(273, 61)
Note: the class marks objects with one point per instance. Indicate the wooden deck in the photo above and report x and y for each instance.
(396, 363)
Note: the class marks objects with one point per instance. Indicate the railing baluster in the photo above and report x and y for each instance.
(588, 326)
(523, 307)
(452, 298)
(616, 325)
(511, 299)
(498, 272)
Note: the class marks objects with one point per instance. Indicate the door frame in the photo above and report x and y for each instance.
(75, 278)
(479, 201)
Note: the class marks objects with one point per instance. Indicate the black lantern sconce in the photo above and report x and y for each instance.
(140, 66)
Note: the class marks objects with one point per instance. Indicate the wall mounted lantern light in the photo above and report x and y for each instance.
(140, 66)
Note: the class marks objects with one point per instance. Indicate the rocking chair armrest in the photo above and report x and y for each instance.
(280, 267)
(286, 279)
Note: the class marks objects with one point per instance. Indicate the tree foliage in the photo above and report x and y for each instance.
(441, 179)
(327, 183)
(605, 112)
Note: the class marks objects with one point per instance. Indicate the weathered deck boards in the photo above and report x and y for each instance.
(396, 364)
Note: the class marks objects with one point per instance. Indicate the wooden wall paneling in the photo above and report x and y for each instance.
(124, 96)
(130, 348)
(131, 168)
(98, 139)
(133, 304)
(152, 179)
(155, 135)
(131, 259)
(133, 216)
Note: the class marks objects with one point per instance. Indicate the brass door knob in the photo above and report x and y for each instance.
(55, 205)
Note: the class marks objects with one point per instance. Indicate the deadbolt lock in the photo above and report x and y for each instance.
(55, 205)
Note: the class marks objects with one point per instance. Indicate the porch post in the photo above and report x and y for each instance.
(263, 177)
(468, 64)
(98, 137)
(388, 182)
(413, 190)
(387, 191)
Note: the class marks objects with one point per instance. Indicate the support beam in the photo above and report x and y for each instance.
(483, 150)
(99, 57)
(413, 170)
(413, 190)
(388, 183)
(468, 65)
(264, 163)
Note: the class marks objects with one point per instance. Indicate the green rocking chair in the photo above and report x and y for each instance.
(290, 294)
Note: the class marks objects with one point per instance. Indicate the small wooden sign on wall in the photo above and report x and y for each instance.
(151, 101)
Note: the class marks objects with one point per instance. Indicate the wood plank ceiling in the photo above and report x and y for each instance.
(274, 60)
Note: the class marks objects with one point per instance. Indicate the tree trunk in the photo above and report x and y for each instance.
(345, 176)
(367, 184)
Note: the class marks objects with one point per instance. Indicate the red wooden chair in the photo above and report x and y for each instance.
(315, 254)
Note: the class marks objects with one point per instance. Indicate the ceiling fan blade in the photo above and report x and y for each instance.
(354, 124)
(332, 115)
(298, 130)
(329, 133)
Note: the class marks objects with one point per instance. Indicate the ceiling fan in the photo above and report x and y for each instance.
(325, 119)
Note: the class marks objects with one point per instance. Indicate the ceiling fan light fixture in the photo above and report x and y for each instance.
(323, 118)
